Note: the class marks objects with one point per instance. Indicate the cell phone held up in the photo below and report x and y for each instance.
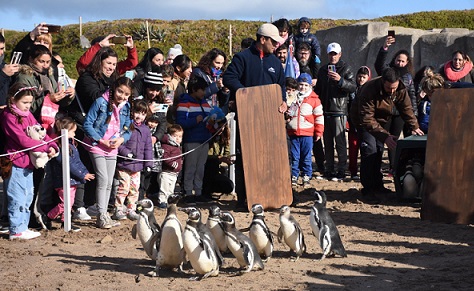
(16, 57)
(331, 68)
(391, 33)
(118, 40)
(53, 28)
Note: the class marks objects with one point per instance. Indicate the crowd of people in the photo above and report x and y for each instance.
(137, 128)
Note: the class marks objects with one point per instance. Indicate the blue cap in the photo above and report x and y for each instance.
(305, 78)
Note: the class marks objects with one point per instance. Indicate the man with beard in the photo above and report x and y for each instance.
(308, 65)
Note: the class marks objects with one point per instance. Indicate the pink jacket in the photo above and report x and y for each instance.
(306, 117)
(16, 138)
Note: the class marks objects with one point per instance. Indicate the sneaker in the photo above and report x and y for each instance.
(74, 228)
(306, 180)
(119, 214)
(92, 210)
(25, 235)
(355, 178)
(294, 180)
(132, 215)
(4, 229)
(163, 205)
(102, 221)
(81, 214)
(113, 223)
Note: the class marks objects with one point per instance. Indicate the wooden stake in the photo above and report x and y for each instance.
(148, 34)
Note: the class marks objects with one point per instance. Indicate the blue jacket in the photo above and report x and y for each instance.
(249, 69)
(140, 146)
(424, 109)
(77, 169)
(188, 109)
(95, 124)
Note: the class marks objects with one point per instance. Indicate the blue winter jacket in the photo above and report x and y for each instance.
(141, 148)
(95, 124)
(188, 109)
(248, 68)
(77, 169)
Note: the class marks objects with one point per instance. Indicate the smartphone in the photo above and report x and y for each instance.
(53, 28)
(391, 33)
(130, 74)
(160, 108)
(331, 68)
(118, 40)
(16, 58)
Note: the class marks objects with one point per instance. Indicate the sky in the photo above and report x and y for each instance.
(24, 14)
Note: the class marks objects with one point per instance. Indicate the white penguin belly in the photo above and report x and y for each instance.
(218, 234)
(260, 239)
(290, 236)
(314, 225)
(171, 245)
(237, 251)
(198, 257)
(145, 234)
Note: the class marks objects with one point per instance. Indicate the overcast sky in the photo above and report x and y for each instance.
(23, 14)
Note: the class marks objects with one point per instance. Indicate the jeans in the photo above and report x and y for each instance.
(104, 167)
(19, 188)
(301, 147)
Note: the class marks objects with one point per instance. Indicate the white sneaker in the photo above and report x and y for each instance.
(25, 235)
(92, 210)
(81, 214)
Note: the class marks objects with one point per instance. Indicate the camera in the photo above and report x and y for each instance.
(118, 40)
(53, 28)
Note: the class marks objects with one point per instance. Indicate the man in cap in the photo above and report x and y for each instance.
(336, 81)
(254, 66)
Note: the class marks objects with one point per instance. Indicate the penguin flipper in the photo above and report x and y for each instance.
(326, 243)
(280, 235)
(134, 231)
(247, 229)
(299, 231)
(248, 258)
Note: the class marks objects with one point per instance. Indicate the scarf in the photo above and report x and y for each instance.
(46, 85)
(454, 75)
(19, 112)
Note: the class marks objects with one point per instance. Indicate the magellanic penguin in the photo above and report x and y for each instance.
(170, 245)
(324, 228)
(241, 246)
(200, 246)
(290, 232)
(147, 229)
(260, 234)
(217, 229)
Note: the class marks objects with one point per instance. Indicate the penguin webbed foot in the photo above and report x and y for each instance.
(195, 278)
(153, 273)
(294, 259)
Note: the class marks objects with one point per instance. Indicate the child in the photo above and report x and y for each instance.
(291, 90)
(152, 185)
(19, 185)
(428, 84)
(363, 75)
(107, 127)
(137, 148)
(172, 163)
(79, 173)
(306, 123)
(192, 115)
(303, 35)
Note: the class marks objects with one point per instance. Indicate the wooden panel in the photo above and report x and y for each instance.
(264, 146)
(448, 192)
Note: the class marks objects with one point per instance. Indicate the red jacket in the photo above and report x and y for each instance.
(123, 66)
(306, 116)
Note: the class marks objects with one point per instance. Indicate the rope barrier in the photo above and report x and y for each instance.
(28, 149)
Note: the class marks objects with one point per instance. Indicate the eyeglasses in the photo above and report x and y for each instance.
(32, 88)
(304, 54)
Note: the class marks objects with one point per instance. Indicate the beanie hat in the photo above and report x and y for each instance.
(305, 78)
(153, 79)
(175, 51)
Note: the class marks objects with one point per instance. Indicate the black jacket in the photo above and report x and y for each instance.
(335, 95)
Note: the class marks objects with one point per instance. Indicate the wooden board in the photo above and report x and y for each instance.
(448, 192)
(264, 146)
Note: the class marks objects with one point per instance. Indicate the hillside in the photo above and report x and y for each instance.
(199, 36)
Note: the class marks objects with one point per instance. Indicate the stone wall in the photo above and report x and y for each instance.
(361, 42)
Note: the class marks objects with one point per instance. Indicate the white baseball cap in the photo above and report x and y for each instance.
(334, 47)
(271, 31)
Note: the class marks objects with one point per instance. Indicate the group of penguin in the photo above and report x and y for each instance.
(203, 243)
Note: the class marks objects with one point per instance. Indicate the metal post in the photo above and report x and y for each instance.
(66, 179)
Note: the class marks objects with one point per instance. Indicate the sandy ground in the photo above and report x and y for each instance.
(388, 246)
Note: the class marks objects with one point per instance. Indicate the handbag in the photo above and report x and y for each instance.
(6, 165)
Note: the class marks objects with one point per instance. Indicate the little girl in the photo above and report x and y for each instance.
(107, 127)
(19, 186)
(79, 174)
(138, 147)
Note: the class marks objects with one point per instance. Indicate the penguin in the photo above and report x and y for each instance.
(146, 228)
(290, 232)
(240, 245)
(217, 229)
(200, 246)
(170, 244)
(260, 234)
(324, 228)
